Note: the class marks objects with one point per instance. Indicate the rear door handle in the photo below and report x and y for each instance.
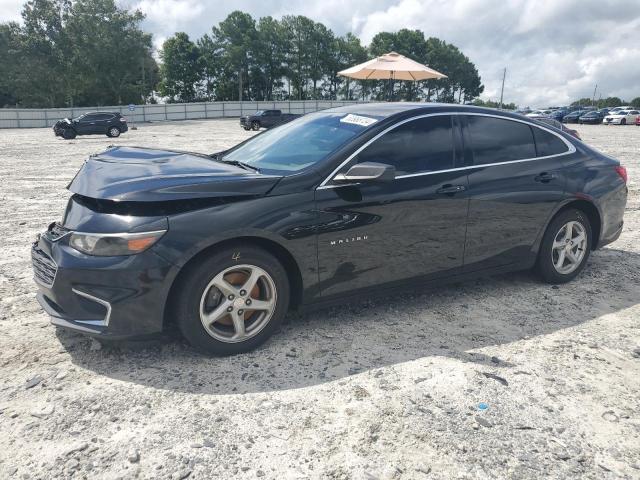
(544, 177)
(450, 189)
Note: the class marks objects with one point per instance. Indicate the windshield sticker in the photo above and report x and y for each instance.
(358, 120)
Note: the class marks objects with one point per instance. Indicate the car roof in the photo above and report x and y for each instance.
(93, 113)
(389, 109)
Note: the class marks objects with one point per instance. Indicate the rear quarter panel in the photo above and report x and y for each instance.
(591, 176)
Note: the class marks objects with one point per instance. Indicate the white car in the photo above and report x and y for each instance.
(537, 113)
(622, 117)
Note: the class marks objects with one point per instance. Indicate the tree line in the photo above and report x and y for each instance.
(606, 102)
(80, 53)
(296, 58)
(93, 52)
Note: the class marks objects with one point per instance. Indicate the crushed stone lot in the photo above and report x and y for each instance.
(385, 389)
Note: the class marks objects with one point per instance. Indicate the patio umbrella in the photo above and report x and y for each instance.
(391, 66)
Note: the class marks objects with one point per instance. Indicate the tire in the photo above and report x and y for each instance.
(556, 233)
(255, 125)
(113, 132)
(247, 128)
(198, 295)
(68, 134)
(623, 121)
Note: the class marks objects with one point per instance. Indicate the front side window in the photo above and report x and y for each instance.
(422, 145)
(495, 140)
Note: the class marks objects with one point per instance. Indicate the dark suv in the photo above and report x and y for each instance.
(111, 124)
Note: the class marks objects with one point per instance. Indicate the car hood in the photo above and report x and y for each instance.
(143, 174)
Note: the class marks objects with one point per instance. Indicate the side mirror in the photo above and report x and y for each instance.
(367, 172)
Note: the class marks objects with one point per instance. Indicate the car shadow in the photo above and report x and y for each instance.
(455, 321)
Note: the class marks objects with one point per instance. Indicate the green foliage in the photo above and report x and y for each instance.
(91, 52)
(635, 103)
(181, 68)
(86, 52)
(491, 104)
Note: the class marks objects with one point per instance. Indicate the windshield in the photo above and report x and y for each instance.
(301, 143)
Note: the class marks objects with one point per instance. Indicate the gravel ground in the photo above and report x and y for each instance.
(388, 389)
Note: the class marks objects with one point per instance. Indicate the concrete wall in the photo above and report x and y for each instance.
(35, 118)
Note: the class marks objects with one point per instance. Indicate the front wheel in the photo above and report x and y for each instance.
(623, 121)
(232, 301)
(68, 134)
(255, 125)
(565, 247)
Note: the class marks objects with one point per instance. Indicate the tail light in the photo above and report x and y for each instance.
(622, 172)
(122, 119)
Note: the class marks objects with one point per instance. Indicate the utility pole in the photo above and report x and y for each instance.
(504, 74)
(593, 98)
(240, 84)
(143, 93)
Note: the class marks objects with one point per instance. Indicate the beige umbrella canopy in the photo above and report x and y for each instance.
(391, 66)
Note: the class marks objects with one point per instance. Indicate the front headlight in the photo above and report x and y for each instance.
(114, 244)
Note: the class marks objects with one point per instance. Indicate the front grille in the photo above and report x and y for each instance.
(44, 268)
(56, 231)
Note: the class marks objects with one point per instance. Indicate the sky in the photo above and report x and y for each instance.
(555, 51)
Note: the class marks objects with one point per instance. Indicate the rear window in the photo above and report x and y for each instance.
(495, 140)
(547, 143)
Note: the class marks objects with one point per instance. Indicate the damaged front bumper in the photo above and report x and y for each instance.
(110, 297)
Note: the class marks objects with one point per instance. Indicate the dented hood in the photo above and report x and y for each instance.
(142, 174)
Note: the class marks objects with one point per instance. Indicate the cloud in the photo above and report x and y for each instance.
(554, 51)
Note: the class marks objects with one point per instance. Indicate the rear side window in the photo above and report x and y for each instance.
(495, 140)
(104, 116)
(422, 145)
(547, 143)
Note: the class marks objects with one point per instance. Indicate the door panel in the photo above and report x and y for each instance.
(510, 202)
(507, 210)
(377, 233)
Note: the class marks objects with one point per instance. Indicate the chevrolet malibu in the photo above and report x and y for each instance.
(336, 204)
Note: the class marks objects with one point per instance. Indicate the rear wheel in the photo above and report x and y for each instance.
(113, 132)
(565, 247)
(233, 301)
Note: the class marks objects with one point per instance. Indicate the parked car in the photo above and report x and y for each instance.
(266, 119)
(558, 125)
(558, 114)
(622, 117)
(111, 124)
(537, 113)
(638, 120)
(572, 117)
(339, 203)
(593, 118)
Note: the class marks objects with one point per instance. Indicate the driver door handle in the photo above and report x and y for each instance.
(449, 189)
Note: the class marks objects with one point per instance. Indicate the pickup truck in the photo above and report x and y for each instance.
(266, 119)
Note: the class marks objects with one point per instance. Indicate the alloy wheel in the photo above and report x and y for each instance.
(569, 247)
(238, 303)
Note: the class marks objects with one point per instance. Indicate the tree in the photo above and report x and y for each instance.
(89, 52)
(635, 103)
(111, 53)
(181, 68)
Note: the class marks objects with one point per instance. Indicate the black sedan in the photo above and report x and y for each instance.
(593, 118)
(336, 204)
(111, 124)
